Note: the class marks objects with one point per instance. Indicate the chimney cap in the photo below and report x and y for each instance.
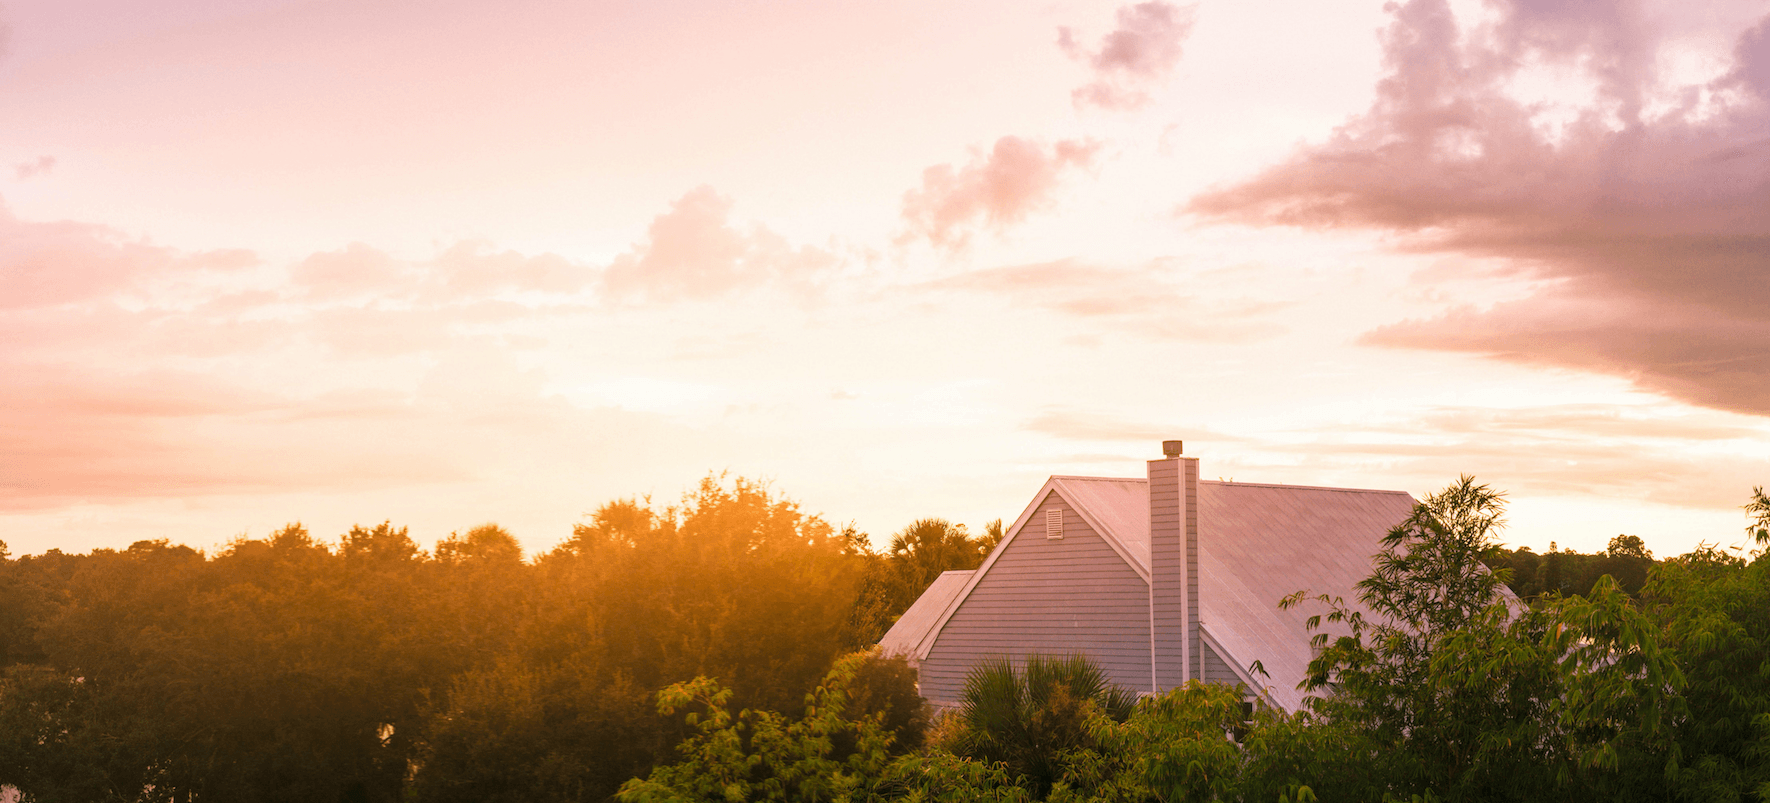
(1171, 448)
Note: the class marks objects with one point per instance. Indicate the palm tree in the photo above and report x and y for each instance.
(930, 546)
(1026, 717)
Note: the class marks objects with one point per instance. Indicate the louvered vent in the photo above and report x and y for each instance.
(1053, 524)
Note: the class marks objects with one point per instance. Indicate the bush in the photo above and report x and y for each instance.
(1027, 718)
(884, 688)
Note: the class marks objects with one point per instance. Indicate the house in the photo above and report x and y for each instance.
(1159, 580)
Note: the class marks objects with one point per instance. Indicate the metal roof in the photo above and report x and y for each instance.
(908, 631)
(1257, 544)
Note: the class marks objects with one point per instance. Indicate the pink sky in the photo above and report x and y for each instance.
(446, 263)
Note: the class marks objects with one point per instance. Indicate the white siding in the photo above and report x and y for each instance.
(1216, 669)
(1047, 596)
(1173, 568)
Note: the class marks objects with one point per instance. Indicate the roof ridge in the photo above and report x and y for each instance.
(1303, 487)
(1231, 482)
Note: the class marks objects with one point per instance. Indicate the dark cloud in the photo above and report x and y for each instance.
(1752, 60)
(994, 191)
(1143, 48)
(1648, 209)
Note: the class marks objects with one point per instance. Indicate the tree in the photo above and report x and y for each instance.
(487, 543)
(1173, 746)
(1714, 609)
(1028, 716)
(916, 555)
(761, 755)
(1758, 508)
(930, 546)
(1628, 560)
(1468, 694)
(884, 687)
(521, 730)
(734, 583)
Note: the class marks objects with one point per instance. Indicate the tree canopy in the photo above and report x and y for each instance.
(706, 650)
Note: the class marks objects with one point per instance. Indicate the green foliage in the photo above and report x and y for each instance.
(1173, 747)
(1566, 572)
(916, 556)
(1027, 716)
(1759, 510)
(519, 732)
(762, 755)
(1714, 609)
(938, 776)
(288, 669)
(733, 583)
(930, 546)
(1472, 696)
(885, 687)
(367, 670)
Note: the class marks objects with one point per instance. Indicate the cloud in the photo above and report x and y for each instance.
(39, 166)
(474, 269)
(994, 191)
(468, 270)
(1084, 426)
(1639, 200)
(1143, 301)
(46, 264)
(693, 252)
(133, 371)
(1688, 351)
(73, 434)
(1142, 49)
(1639, 452)
(352, 271)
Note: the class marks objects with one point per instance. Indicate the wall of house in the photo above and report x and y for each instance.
(1216, 670)
(1046, 596)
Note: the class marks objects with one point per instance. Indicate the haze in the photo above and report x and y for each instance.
(265, 261)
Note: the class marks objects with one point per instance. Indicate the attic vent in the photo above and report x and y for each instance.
(1054, 524)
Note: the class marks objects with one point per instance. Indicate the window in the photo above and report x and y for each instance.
(1054, 524)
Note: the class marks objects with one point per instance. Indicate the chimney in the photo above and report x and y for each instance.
(1173, 569)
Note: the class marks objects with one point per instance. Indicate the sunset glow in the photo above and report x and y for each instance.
(447, 263)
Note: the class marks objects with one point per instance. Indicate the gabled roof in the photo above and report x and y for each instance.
(907, 633)
(1257, 544)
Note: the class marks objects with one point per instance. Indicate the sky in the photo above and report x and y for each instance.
(445, 263)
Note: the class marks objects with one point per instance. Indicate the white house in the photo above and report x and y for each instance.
(1159, 580)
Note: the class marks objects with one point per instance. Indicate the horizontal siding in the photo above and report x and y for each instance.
(1052, 597)
(1217, 670)
(1169, 569)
